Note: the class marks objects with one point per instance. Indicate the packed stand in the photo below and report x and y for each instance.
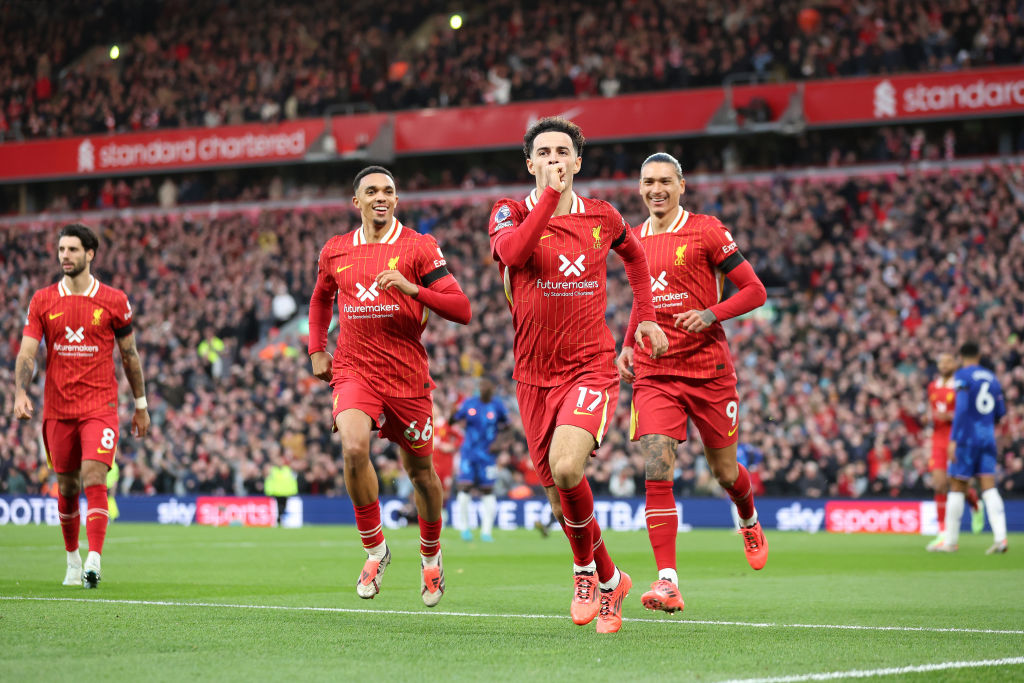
(208, 63)
(868, 281)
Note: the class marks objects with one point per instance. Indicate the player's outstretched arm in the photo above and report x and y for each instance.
(133, 371)
(751, 294)
(446, 298)
(24, 368)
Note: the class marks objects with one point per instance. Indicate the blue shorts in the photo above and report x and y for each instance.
(972, 461)
(476, 469)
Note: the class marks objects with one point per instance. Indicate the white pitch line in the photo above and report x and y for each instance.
(873, 673)
(351, 610)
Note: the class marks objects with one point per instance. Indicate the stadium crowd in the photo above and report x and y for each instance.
(869, 279)
(208, 63)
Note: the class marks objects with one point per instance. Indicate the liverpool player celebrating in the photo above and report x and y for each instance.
(80, 319)
(385, 276)
(551, 249)
(941, 402)
(689, 255)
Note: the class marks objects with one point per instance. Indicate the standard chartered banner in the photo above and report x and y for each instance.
(804, 514)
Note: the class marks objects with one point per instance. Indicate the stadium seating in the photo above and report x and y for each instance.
(868, 278)
(206, 63)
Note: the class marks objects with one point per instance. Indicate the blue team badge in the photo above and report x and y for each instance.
(503, 213)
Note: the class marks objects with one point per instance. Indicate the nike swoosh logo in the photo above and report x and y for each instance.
(550, 234)
(56, 315)
(655, 526)
(100, 450)
(341, 268)
(420, 446)
(576, 411)
(733, 430)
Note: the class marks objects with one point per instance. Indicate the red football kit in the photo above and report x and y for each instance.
(941, 401)
(380, 366)
(554, 270)
(695, 378)
(80, 395)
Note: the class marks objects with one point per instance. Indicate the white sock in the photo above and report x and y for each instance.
(74, 559)
(462, 499)
(489, 510)
(669, 574)
(590, 568)
(92, 558)
(431, 561)
(611, 584)
(378, 551)
(749, 522)
(735, 516)
(996, 512)
(954, 513)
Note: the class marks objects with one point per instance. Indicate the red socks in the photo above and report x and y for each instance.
(662, 522)
(96, 517)
(368, 524)
(578, 510)
(742, 493)
(70, 521)
(940, 510)
(430, 537)
(605, 566)
(972, 498)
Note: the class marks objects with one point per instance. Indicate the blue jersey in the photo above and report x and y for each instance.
(483, 420)
(979, 405)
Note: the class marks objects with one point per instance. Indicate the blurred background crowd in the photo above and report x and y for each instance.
(869, 279)
(209, 63)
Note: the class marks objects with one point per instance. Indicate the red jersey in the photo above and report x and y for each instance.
(79, 331)
(688, 266)
(558, 298)
(379, 330)
(941, 401)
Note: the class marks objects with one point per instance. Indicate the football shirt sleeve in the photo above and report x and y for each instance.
(33, 320)
(439, 291)
(321, 306)
(512, 242)
(122, 319)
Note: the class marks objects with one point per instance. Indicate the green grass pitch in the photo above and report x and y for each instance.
(241, 604)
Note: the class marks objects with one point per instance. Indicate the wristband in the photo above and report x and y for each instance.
(140, 403)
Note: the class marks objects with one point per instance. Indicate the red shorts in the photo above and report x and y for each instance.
(940, 455)
(662, 404)
(587, 402)
(406, 422)
(69, 442)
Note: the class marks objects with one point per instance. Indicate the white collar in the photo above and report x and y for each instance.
(390, 237)
(647, 229)
(90, 291)
(577, 203)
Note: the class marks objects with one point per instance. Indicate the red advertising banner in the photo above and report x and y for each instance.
(106, 155)
(914, 96)
(873, 517)
(630, 116)
(236, 511)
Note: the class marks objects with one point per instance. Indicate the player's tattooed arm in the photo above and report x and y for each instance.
(24, 367)
(132, 365)
(659, 456)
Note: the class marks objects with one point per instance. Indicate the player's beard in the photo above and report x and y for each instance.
(76, 270)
